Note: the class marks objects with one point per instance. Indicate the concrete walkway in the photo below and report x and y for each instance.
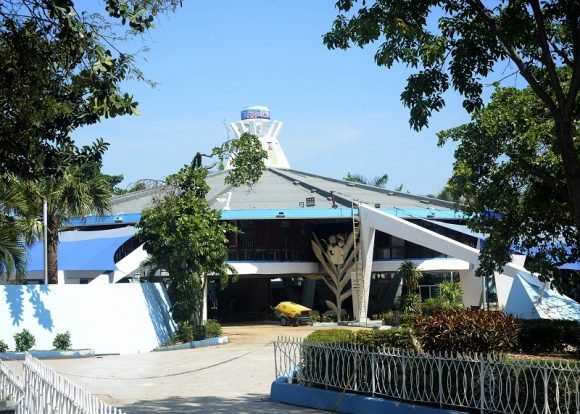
(231, 378)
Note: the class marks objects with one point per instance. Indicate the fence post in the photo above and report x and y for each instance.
(326, 358)
(481, 385)
(373, 381)
(546, 380)
(440, 376)
(403, 366)
(275, 360)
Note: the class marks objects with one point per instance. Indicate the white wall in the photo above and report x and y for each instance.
(110, 318)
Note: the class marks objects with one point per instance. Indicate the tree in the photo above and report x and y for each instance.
(410, 300)
(18, 227)
(510, 172)
(470, 38)
(380, 181)
(60, 68)
(184, 236)
(77, 192)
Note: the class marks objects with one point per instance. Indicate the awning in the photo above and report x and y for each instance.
(83, 250)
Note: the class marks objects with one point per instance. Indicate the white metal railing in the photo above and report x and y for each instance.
(44, 391)
(492, 384)
(11, 386)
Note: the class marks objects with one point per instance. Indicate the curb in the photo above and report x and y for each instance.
(219, 340)
(336, 401)
(83, 353)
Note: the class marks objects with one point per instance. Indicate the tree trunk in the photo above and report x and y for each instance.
(571, 166)
(52, 251)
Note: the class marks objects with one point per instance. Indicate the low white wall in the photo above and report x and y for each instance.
(109, 318)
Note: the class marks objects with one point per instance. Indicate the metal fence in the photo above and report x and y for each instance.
(44, 391)
(490, 384)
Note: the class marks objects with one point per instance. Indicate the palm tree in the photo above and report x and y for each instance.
(380, 181)
(410, 275)
(79, 191)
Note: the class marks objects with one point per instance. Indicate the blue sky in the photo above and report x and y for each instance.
(340, 111)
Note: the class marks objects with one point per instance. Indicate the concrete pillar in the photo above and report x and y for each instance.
(308, 289)
(367, 244)
(471, 287)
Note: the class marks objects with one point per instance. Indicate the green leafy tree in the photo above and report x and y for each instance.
(77, 192)
(380, 181)
(184, 236)
(60, 68)
(510, 171)
(18, 227)
(410, 275)
(456, 44)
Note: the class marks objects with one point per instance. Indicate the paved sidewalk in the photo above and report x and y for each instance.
(231, 378)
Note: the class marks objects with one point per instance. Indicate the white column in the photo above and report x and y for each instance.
(367, 244)
(204, 300)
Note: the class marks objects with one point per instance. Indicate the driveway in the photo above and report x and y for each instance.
(230, 378)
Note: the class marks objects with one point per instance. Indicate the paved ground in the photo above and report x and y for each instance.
(231, 378)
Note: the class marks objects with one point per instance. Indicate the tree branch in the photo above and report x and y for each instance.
(510, 50)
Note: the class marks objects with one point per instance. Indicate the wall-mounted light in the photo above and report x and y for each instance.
(280, 214)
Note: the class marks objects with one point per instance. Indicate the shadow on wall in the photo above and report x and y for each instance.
(15, 299)
(40, 312)
(158, 306)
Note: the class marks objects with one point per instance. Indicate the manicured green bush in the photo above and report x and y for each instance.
(467, 331)
(3, 346)
(24, 340)
(62, 341)
(434, 305)
(393, 338)
(548, 336)
(331, 336)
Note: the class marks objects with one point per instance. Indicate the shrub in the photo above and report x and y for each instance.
(467, 331)
(545, 336)
(62, 341)
(394, 338)
(184, 332)
(3, 346)
(451, 292)
(398, 319)
(212, 329)
(24, 340)
(409, 303)
(434, 305)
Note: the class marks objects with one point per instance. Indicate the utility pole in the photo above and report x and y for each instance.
(44, 237)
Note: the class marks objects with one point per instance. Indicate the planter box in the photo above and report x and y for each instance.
(219, 340)
(82, 353)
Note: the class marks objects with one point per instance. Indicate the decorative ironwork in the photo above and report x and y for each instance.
(494, 383)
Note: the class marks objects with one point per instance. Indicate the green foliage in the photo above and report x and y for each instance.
(410, 275)
(185, 332)
(24, 340)
(247, 162)
(467, 331)
(62, 341)
(398, 319)
(409, 303)
(435, 305)
(380, 181)
(451, 292)
(210, 329)
(60, 69)
(3, 346)
(393, 338)
(548, 336)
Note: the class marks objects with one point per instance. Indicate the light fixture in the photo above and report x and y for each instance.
(280, 214)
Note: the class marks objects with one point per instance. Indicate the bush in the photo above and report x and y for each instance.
(3, 346)
(548, 336)
(24, 341)
(409, 303)
(432, 306)
(212, 329)
(62, 341)
(184, 333)
(398, 319)
(393, 338)
(467, 331)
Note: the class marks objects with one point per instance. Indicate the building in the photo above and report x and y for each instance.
(279, 217)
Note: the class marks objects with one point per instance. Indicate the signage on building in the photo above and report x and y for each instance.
(256, 113)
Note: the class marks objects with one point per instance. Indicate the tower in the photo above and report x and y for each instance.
(256, 121)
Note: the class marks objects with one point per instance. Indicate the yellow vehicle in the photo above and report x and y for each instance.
(291, 313)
